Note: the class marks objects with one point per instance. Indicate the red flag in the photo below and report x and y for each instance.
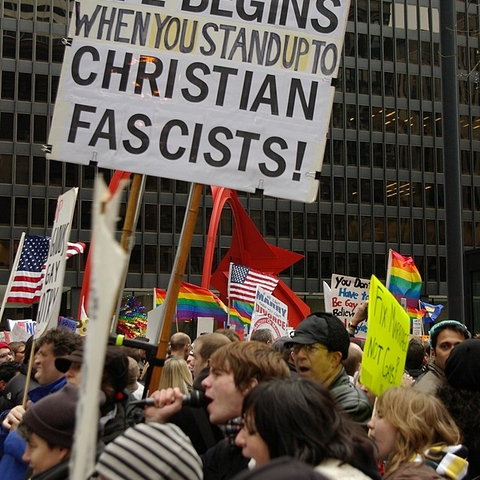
(28, 280)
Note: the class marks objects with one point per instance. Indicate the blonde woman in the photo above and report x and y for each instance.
(416, 437)
(175, 373)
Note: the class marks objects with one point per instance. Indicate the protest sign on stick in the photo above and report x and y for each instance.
(386, 346)
(270, 313)
(108, 264)
(347, 293)
(198, 91)
(51, 297)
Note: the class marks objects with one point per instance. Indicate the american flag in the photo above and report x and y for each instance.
(27, 283)
(243, 281)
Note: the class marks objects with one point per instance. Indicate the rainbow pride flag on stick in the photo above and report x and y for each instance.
(194, 302)
(403, 279)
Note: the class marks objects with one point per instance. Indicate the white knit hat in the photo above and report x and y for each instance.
(150, 452)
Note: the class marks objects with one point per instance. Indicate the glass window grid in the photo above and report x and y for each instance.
(377, 198)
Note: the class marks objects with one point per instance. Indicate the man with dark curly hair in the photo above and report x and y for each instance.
(320, 343)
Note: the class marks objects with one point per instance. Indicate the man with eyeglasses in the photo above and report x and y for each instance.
(444, 336)
(6, 354)
(320, 343)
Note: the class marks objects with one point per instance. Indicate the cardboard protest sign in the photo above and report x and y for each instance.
(21, 330)
(386, 346)
(203, 91)
(51, 297)
(109, 261)
(270, 313)
(346, 294)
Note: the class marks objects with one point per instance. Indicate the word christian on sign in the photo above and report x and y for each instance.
(195, 90)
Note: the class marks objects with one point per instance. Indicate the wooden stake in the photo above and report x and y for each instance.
(128, 234)
(176, 277)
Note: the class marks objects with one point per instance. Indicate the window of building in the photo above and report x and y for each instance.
(352, 190)
(430, 195)
(466, 197)
(339, 189)
(392, 227)
(431, 232)
(365, 190)
(40, 129)
(196, 260)
(312, 225)
(367, 265)
(340, 264)
(353, 235)
(5, 253)
(150, 217)
(379, 229)
(5, 211)
(298, 268)
(166, 259)
(418, 225)
(41, 88)
(6, 126)
(298, 225)
(284, 224)
(364, 117)
(39, 171)
(416, 158)
(21, 212)
(377, 83)
(24, 87)
(327, 264)
(366, 229)
(325, 189)
(312, 265)
(326, 226)
(38, 212)
(135, 265)
(339, 227)
(365, 155)
(352, 153)
(22, 170)
(405, 233)
(9, 44)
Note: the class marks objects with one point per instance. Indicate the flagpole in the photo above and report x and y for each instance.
(12, 274)
(389, 269)
(128, 235)
(228, 293)
(176, 277)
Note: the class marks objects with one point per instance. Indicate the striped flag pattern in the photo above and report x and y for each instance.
(28, 281)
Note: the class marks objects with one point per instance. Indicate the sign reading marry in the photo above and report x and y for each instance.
(239, 93)
(270, 313)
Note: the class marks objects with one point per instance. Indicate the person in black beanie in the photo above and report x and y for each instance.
(48, 427)
(461, 396)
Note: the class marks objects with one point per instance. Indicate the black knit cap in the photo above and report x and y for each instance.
(324, 328)
(116, 368)
(462, 367)
(53, 417)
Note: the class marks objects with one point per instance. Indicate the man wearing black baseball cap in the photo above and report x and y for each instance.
(320, 343)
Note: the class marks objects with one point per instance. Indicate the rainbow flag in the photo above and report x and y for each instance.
(244, 309)
(194, 302)
(403, 278)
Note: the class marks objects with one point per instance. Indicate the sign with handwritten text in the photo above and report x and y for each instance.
(346, 294)
(386, 346)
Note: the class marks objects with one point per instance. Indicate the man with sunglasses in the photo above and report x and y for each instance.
(320, 343)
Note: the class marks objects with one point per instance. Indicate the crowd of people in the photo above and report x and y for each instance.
(291, 407)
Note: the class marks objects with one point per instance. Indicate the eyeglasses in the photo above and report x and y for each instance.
(309, 349)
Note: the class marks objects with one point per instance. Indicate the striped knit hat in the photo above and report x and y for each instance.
(150, 452)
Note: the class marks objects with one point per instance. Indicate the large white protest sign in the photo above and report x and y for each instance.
(109, 261)
(234, 93)
(51, 297)
(347, 293)
(270, 313)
